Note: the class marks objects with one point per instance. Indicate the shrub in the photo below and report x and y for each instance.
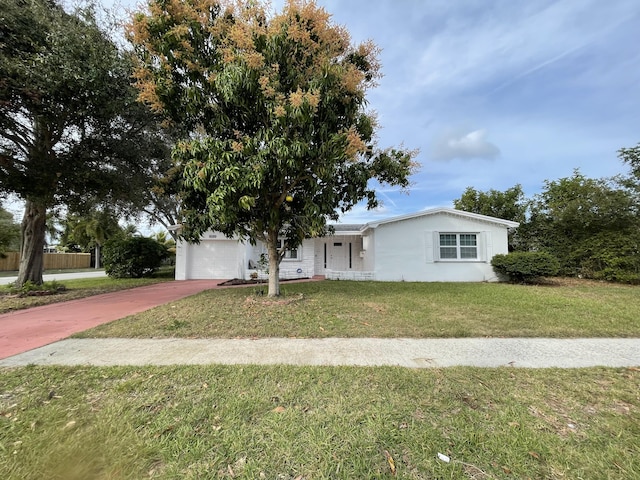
(525, 267)
(133, 256)
(30, 289)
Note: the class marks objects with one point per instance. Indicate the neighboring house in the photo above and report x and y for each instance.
(438, 245)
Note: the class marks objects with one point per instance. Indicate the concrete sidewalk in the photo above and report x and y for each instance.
(413, 353)
(60, 277)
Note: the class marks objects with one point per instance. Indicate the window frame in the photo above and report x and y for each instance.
(288, 252)
(458, 246)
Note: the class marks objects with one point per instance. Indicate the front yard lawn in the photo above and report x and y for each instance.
(280, 422)
(377, 309)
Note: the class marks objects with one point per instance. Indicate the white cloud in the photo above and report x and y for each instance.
(506, 41)
(464, 145)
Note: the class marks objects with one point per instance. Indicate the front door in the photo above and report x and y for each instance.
(338, 255)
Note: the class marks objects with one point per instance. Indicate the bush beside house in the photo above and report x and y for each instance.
(133, 257)
(525, 267)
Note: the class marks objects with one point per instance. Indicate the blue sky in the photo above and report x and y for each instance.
(498, 92)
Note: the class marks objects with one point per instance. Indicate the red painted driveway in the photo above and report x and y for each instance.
(25, 330)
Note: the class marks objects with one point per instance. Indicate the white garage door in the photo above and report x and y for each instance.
(214, 259)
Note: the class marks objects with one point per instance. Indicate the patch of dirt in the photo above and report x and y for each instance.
(266, 301)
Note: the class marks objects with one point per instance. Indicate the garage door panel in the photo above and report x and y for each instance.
(214, 259)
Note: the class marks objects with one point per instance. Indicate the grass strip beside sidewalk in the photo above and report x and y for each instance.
(310, 423)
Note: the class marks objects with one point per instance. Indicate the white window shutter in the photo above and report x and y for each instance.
(429, 248)
(488, 246)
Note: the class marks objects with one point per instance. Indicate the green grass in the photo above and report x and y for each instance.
(377, 309)
(78, 288)
(318, 423)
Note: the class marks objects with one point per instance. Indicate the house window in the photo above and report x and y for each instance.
(458, 246)
(289, 254)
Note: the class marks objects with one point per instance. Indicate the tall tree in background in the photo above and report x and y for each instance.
(508, 205)
(9, 232)
(90, 231)
(590, 225)
(631, 156)
(69, 122)
(280, 139)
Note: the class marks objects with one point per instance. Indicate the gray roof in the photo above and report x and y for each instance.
(347, 227)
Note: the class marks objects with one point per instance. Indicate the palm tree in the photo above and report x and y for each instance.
(92, 230)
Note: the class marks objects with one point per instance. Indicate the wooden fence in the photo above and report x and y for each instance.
(52, 261)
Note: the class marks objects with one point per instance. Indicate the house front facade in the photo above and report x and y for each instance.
(438, 245)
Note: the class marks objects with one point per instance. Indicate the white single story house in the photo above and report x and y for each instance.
(437, 245)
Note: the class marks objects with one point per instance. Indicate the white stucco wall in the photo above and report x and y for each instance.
(215, 257)
(301, 267)
(408, 249)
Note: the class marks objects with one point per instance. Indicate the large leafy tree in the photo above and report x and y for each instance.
(69, 122)
(9, 232)
(509, 205)
(590, 225)
(631, 156)
(90, 231)
(280, 138)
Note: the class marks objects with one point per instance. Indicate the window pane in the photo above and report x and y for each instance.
(447, 239)
(448, 252)
(468, 240)
(292, 253)
(468, 252)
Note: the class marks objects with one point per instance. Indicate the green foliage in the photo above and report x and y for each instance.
(508, 205)
(133, 257)
(28, 289)
(83, 232)
(281, 140)
(71, 129)
(9, 233)
(590, 225)
(525, 267)
(631, 156)
(611, 256)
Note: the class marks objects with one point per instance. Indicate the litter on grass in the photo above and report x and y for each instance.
(443, 457)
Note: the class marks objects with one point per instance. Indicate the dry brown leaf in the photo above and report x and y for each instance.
(391, 462)
(279, 409)
(70, 424)
(535, 455)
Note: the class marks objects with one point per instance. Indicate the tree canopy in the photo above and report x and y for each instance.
(280, 140)
(590, 225)
(631, 156)
(508, 205)
(9, 232)
(70, 125)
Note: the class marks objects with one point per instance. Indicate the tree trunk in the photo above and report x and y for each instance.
(97, 256)
(33, 230)
(274, 264)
